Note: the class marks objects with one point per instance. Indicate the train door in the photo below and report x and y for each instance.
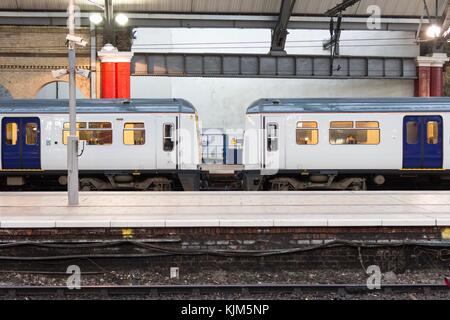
(273, 144)
(167, 145)
(21, 143)
(422, 142)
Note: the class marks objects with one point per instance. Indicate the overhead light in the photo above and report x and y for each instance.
(121, 19)
(433, 31)
(59, 73)
(96, 18)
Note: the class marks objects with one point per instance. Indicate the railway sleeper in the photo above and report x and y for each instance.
(331, 182)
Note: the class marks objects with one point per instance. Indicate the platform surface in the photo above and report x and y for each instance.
(225, 209)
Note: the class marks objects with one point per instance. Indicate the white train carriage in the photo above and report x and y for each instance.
(346, 143)
(124, 144)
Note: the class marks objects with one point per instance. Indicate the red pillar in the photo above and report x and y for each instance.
(108, 74)
(437, 74)
(115, 72)
(123, 80)
(436, 81)
(422, 83)
(430, 77)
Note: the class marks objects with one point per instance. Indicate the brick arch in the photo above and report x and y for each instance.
(26, 84)
(78, 89)
(82, 85)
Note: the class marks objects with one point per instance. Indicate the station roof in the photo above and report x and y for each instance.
(39, 106)
(349, 105)
(392, 8)
(398, 15)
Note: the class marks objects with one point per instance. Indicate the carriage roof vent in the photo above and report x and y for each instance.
(276, 102)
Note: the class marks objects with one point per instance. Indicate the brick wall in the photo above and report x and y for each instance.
(385, 249)
(29, 53)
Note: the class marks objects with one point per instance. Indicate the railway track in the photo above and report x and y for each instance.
(247, 290)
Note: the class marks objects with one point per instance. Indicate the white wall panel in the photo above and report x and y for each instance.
(222, 102)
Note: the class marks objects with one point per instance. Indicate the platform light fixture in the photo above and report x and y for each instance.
(121, 19)
(433, 31)
(96, 18)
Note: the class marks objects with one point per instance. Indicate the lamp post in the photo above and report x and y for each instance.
(72, 141)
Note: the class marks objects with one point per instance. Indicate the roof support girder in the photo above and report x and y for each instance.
(445, 19)
(265, 66)
(279, 33)
(108, 28)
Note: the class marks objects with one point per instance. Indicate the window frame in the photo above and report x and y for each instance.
(12, 136)
(133, 130)
(417, 132)
(435, 128)
(272, 138)
(84, 128)
(36, 127)
(315, 128)
(171, 137)
(354, 128)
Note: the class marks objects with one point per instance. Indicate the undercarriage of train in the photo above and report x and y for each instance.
(355, 182)
(103, 182)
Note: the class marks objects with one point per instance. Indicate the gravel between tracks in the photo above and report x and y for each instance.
(159, 276)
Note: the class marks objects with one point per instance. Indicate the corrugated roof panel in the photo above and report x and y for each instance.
(8, 4)
(237, 6)
(153, 5)
(310, 7)
(51, 5)
(314, 7)
(388, 7)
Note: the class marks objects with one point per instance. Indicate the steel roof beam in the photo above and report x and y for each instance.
(279, 33)
(108, 29)
(213, 21)
(445, 19)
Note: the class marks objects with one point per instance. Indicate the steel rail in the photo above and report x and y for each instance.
(195, 289)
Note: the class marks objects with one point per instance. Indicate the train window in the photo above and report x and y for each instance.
(168, 139)
(99, 133)
(66, 135)
(354, 136)
(272, 137)
(134, 133)
(432, 132)
(346, 134)
(341, 124)
(412, 132)
(307, 132)
(99, 125)
(367, 124)
(31, 130)
(11, 133)
(79, 125)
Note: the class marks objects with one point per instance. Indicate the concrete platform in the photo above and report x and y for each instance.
(225, 209)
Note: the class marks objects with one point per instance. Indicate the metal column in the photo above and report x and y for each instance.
(72, 141)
